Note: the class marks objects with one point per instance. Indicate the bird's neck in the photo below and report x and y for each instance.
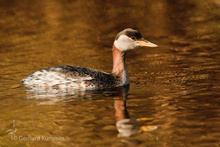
(119, 69)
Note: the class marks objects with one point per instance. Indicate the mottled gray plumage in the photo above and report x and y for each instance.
(98, 78)
(70, 77)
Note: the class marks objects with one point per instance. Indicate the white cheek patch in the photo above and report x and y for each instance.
(124, 43)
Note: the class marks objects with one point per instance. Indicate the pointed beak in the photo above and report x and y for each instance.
(146, 43)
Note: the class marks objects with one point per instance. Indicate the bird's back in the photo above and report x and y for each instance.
(69, 77)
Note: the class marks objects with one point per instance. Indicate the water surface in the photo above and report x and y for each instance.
(173, 98)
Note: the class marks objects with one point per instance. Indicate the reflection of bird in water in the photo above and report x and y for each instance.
(129, 127)
(75, 77)
(126, 126)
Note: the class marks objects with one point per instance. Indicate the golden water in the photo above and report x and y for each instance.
(173, 99)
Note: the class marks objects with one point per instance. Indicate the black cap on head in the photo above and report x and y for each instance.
(130, 33)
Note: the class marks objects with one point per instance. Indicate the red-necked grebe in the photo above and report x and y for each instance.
(75, 77)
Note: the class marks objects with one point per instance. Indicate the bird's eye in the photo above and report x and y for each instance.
(133, 38)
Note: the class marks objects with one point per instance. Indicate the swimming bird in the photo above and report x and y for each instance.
(75, 77)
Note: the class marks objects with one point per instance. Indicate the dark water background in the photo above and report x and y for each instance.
(173, 99)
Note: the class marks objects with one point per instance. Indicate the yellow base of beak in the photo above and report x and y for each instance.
(146, 43)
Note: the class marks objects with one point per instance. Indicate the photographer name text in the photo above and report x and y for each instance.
(38, 138)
